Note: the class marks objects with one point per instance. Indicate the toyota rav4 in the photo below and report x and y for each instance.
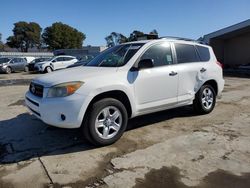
(126, 81)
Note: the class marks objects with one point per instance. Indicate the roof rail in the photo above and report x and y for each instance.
(182, 38)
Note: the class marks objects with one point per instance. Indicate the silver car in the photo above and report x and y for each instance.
(8, 65)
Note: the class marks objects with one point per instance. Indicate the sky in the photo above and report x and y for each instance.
(98, 18)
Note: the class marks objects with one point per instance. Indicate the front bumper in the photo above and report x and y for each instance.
(2, 69)
(50, 110)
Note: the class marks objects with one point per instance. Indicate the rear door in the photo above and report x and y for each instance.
(68, 61)
(21, 64)
(192, 71)
(58, 63)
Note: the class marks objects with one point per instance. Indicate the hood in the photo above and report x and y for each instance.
(73, 74)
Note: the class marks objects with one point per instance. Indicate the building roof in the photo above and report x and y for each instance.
(236, 29)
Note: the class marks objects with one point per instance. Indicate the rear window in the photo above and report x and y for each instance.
(186, 53)
(203, 53)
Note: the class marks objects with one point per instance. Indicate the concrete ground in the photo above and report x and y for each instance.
(173, 148)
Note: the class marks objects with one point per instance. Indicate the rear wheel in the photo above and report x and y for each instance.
(26, 69)
(106, 123)
(8, 70)
(205, 100)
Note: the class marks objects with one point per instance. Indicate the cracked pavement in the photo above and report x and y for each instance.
(173, 148)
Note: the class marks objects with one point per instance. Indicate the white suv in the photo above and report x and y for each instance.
(55, 63)
(125, 81)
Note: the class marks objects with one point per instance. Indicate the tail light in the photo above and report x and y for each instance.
(218, 63)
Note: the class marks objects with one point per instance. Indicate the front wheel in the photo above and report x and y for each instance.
(106, 123)
(205, 100)
(48, 69)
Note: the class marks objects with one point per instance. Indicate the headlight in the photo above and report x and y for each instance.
(64, 89)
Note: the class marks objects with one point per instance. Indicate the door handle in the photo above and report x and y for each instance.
(203, 70)
(172, 73)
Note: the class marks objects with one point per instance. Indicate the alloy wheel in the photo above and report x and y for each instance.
(108, 122)
(207, 98)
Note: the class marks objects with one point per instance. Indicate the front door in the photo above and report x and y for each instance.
(157, 86)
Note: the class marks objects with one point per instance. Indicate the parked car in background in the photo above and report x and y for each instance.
(77, 64)
(29, 59)
(82, 61)
(126, 81)
(31, 66)
(3, 64)
(13, 65)
(55, 63)
(86, 58)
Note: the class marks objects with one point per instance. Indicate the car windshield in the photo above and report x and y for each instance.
(116, 56)
(4, 60)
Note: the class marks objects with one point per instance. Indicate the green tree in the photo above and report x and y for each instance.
(25, 35)
(154, 32)
(135, 35)
(62, 36)
(115, 38)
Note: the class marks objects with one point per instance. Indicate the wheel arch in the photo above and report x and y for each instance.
(45, 69)
(116, 94)
(11, 69)
(212, 83)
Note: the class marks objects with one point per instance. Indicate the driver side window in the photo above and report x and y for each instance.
(160, 54)
(13, 61)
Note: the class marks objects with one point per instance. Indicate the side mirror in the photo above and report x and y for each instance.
(145, 63)
(54, 61)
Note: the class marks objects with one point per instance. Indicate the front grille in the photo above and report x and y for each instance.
(36, 89)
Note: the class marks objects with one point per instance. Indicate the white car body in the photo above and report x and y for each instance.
(58, 62)
(148, 90)
(29, 58)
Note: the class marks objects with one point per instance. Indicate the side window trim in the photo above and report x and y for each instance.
(196, 52)
(171, 49)
(175, 62)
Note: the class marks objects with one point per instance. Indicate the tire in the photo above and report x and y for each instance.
(205, 100)
(26, 69)
(48, 69)
(8, 70)
(99, 127)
